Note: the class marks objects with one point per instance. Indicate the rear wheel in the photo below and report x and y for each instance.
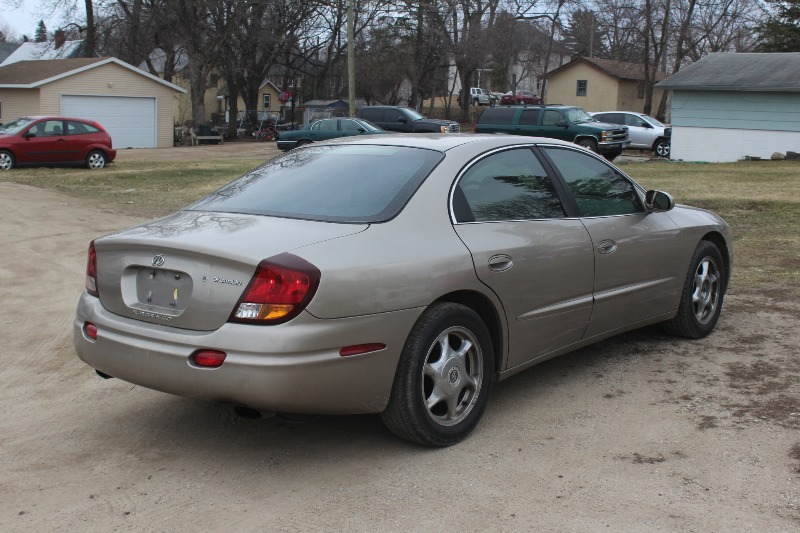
(303, 142)
(7, 161)
(589, 144)
(96, 160)
(443, 378)
(661, 148)
(612, 155)
(703, 291)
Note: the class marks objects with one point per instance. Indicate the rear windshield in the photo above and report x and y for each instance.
(343, 183)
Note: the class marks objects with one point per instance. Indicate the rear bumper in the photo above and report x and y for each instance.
(286, 145)
(293, 367)
(112, 154)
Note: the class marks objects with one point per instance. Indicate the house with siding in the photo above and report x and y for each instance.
(600, 85)
(727, 106)
(135, 107)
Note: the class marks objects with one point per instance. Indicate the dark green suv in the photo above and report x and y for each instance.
(567, 123)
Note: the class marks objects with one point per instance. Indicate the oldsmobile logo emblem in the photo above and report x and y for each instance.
(158, 260)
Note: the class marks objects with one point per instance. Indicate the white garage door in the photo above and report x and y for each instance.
(131, 122)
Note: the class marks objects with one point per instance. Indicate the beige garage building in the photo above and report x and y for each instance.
(135, 107)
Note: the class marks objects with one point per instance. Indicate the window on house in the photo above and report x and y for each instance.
(266, 101)
(582, 88)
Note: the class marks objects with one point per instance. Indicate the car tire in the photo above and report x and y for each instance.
(302, 143)
(661, 148)
(610, 156)
(7, 161)
(589, 144)
(443, 378)
(476, 102)
(96, 160)
(702, 294)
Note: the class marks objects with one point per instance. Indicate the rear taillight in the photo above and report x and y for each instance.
(281, 288)
(208, 358)
(91, 271)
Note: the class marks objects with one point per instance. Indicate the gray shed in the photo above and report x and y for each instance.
(727, 106)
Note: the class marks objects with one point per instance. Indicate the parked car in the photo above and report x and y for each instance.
(522, 97)
(405, 120)
(39, 140)
(478, 97)
(567, 123)
(397, 275)
(646, 133)
(328, 128)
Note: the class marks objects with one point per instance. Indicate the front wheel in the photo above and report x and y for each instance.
(703, 291)
(443, 378)
(661, 148)
(610, 156)
(7, 161)
(96, 160)
(589, 144)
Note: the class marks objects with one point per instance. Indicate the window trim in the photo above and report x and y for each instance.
(266, 101)
(584, 90)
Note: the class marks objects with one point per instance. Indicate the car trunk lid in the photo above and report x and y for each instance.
(189, 270)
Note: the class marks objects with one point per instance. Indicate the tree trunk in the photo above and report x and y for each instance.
(90, 29)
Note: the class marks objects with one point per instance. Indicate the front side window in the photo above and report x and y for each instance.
(582, 88)
(598, 189)
(342, 183)
(638, 122)
(349, 126)
(509, 185)
(552, 117)
(48, 128)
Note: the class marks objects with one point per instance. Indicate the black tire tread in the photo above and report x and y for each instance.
(399, 416)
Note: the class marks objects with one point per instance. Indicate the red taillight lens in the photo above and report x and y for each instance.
(91, 271)
(91, 330)
(208, 358)
(281, 288)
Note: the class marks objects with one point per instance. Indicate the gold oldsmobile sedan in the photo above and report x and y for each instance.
(399, 275)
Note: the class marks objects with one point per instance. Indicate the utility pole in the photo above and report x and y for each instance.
(351, 60)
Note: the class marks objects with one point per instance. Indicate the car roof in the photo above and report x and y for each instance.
(56, 117)
(446, 141)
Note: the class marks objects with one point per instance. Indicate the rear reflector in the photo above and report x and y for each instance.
(91, 330)
(361, 348)
(208, 358)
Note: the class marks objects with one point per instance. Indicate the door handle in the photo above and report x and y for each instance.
(499, 263)
(607, 247)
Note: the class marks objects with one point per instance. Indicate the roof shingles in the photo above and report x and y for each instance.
(29, 72)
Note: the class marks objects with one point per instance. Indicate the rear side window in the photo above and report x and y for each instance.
(498, 115)
(529, 117)
(613, 118)
(598, 189)
(344, 183)
(373, 115)
(509, 185)
(78, 128)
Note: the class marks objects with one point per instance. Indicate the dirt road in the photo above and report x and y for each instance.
(643, 432)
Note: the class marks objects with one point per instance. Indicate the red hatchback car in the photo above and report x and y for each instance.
(54, 141)
(523, 97)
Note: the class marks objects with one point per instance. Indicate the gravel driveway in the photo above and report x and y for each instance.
(642, 432)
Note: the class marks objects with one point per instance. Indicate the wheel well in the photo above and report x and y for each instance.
(488, 313)
(719, 241)
(658, 140)
(585, 138)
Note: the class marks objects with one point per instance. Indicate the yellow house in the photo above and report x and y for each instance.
(600, 85)
(135, 107)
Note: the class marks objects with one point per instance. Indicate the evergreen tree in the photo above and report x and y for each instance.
(781, 33)
(41, 33)
(583, 36)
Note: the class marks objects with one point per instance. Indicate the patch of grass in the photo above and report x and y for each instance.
(140, 188)
(760, 202)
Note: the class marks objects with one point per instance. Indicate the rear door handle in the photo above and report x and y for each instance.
(500, 262)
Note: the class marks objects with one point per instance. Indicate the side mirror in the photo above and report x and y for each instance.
(403, 120)
(29, 134)
(362, 130)
(658, 201)
(562, 124)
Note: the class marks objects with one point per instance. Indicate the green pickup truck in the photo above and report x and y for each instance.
(567, 123)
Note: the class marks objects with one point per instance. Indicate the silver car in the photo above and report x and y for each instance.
(399, 275)
(646, 133)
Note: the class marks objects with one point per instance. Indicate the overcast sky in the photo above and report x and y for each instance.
(23, 20)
